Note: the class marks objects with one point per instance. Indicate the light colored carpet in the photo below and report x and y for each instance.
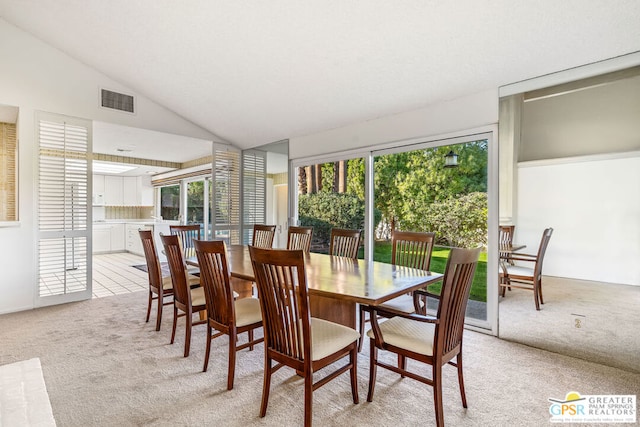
(609, 333)
(105, 367)
(23, 395)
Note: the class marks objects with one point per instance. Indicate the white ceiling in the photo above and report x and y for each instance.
(253, 72)
(117, 140)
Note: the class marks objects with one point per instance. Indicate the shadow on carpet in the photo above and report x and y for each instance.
(163, 266)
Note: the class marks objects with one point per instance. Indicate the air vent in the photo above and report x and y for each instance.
(117, 101)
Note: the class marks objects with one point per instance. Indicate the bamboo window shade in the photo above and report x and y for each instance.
(8, 175)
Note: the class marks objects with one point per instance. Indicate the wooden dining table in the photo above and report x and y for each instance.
(336, 284)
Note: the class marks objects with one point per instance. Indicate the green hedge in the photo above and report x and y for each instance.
(324, 211)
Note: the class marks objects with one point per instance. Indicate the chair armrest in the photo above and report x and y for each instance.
(520, 257)
(422, 294)
(426, 293)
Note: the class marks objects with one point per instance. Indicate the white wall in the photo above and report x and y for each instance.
(593, 204)
(597, 120)
(36, 77)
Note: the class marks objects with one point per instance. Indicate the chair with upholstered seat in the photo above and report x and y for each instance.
(225, 314)
(408, 249)
(158, 285)
(513, 274)
(432, 340)
(299, 238)
(263, 235)
(186, 300)
(292, 337)
(187, 234)
(344, 242)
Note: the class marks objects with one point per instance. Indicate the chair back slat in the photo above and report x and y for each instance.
(458, 277)
(300, 238)
(344, 243)
(283, 294)
(542, 250)
(214, 278)
(175, 258)
(187, 234)
(151, 256)
(505, 238)
(263, 235)
(412, 249)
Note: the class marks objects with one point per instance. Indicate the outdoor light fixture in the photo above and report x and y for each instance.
(451, 160)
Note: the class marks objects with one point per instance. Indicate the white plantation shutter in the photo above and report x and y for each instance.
(64, 226)
(254, 197)
(226, 195)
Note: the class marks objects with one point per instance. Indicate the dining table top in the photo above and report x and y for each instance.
(370, 283)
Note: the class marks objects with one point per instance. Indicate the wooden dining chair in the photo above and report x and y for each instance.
(226, 315)
(292, 337)
(159, 287)
(505, 242)
(186, 300)
(513, 274)
(408, 249)
(187, 234)
(344, 242)
(435, 341)
(263, 235)
(300, 238)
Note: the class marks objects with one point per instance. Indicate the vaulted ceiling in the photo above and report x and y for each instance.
(254, 72)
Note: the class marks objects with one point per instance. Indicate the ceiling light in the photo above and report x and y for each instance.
(111, 168)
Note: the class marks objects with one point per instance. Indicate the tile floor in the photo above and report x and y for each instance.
(113, 274)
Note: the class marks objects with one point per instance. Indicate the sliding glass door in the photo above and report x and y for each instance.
(409, 187)
(414, 190)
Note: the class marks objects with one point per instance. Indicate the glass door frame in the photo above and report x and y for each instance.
(490, 133)
(184, 186)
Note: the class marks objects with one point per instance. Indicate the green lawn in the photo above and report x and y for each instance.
(382, 252)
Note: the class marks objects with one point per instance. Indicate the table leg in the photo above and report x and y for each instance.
(334, 310)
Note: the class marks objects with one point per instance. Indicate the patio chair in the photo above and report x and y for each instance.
(529, 277)
(292, 337)
(432, 340)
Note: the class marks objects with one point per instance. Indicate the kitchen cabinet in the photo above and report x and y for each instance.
(146, 191)
(101, 235)
(117, 238)
(130, 191)
(108, 238)
(98, 184)
(113, 191)
(133, 242)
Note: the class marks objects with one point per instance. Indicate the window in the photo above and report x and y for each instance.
(170, 202)
(331, 195)
(8, 172)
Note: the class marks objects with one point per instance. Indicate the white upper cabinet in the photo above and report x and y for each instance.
(113, 191)
(123, 190)
(130, 191)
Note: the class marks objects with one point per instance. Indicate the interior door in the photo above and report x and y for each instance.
(64, 215)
